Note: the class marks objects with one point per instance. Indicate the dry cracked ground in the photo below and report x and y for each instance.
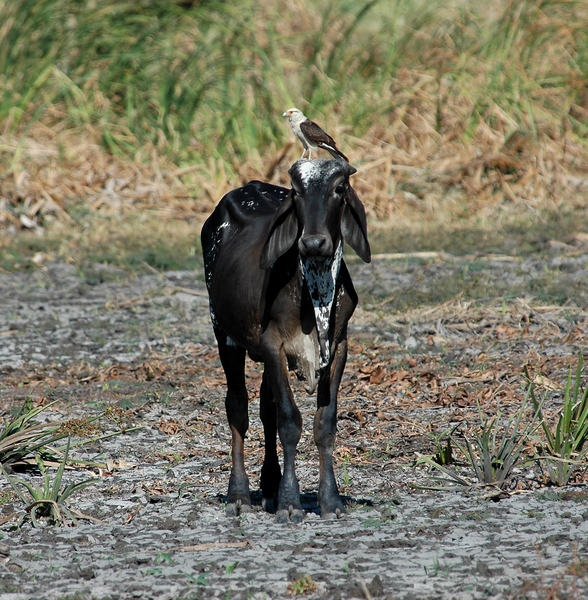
(153, 525)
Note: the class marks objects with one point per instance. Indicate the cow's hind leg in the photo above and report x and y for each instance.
(325, 427)
(236, 404)
(270, 472)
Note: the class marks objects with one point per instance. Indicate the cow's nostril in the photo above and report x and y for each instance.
(315, 246)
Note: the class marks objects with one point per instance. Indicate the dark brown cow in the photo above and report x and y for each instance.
(280, 291)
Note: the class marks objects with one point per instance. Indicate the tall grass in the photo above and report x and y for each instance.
(490, 96)
(138, 71)
(204, 75)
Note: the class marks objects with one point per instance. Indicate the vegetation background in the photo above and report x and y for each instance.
(123, 123)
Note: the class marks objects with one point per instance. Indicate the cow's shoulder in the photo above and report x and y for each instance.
(252, 202)
(251, 205)
(249, 208)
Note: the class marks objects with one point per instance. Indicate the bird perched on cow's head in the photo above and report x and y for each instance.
(311, 135)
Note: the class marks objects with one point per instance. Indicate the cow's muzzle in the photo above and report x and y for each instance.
(316, 247)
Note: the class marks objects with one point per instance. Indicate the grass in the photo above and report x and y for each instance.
(302, 586)
(467, 122)
(442, 440)
(21, 439)
(23, 442)
(492, 454)
(129, 243)
(494, 451)
(48, 500)
(564, 448)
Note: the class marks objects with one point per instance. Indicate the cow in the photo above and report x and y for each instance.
(280, 291)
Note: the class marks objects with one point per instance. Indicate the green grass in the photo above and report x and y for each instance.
(564, 450)
(48, 499)
(200, 79)
(524, 236)
(492, 453)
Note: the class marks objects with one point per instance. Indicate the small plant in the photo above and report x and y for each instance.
(22, 440)
(345, 475)
(566, 445)
(230, 568)
(491, 456)
(48, 499)
(494, 459)
(302, 586)
(433, 571)
(444, 454)
(162, 557)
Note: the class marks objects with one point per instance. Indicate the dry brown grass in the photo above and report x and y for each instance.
(436, 154)
(486, 183)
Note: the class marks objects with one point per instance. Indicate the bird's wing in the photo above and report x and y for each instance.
(316, 136)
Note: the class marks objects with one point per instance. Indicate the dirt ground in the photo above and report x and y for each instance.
(426, 349)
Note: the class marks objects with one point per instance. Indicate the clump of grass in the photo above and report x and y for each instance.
(493, 452)
(78, 427)
(565, 447)
(493, 456)
(303, 585)
(444, 454)
(23, 442)
(21, 439)
(48, 500)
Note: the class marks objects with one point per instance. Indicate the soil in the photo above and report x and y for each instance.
(153, 524)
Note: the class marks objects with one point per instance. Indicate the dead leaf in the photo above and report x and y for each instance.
(546, 382)
(377, 375)
(119, 465)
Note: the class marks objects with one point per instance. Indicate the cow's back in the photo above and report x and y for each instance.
(243, 216)
(232, 238)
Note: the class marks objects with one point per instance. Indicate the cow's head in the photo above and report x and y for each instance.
(321, 209)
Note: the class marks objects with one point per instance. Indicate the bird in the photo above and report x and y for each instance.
(311, 135)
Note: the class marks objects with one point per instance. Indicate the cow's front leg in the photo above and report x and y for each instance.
(236, 404)
(325, 428)
(289, 428)
(271, 474)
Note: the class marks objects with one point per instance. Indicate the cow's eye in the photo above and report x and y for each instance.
(340, 189)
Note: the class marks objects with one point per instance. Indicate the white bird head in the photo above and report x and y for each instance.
(295, 115)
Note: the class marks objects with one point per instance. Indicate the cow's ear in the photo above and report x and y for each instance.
(354, 225)
(282, 234)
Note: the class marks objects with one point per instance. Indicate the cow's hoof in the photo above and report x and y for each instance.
(238, 508)
(282, 516)
(332, 515)
(290, 515)
(297, 516)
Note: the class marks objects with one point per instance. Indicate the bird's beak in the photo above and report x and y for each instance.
(285, 114)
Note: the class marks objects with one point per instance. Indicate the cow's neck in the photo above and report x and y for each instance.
(321, 280)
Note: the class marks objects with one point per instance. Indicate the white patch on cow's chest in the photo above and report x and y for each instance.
(321, 279)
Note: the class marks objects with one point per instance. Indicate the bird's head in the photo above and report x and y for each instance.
(294, 115)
